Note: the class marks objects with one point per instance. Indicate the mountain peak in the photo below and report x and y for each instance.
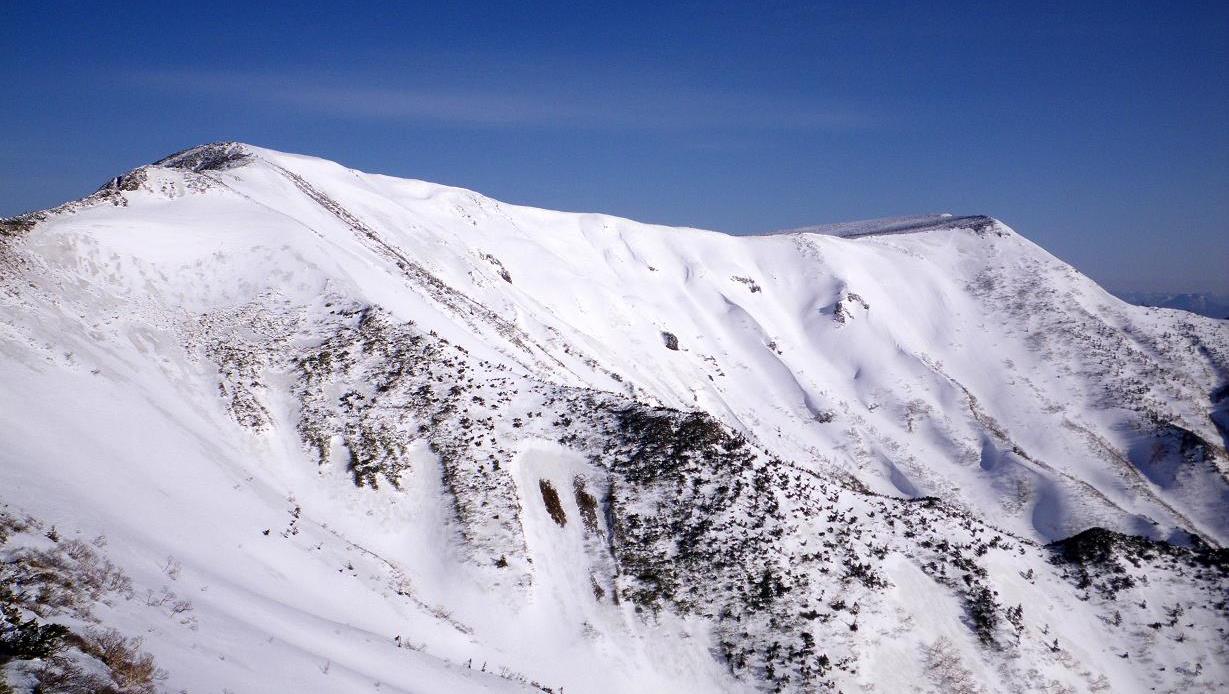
(214, 156)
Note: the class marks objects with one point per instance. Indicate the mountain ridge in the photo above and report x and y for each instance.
(612, 434)
(224, 154)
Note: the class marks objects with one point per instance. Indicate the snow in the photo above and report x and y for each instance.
(921, 356)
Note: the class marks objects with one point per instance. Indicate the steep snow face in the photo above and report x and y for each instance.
(399, 433)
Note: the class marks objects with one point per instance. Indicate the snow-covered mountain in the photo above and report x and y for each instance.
(302, 428)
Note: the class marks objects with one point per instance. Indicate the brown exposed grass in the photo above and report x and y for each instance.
(554, 507)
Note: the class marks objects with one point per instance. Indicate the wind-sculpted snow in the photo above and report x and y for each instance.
(395, 435)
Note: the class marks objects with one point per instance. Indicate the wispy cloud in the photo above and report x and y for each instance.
(619, 105)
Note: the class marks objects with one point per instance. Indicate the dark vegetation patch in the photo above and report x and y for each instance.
(1101, 546)
(64, 582)
(1102, 560)
(16, 226)
(750, 283)
(983, 608)
(379, 386)
(587, 505)
(550, 498)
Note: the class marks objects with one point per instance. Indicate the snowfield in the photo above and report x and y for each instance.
(297, 427)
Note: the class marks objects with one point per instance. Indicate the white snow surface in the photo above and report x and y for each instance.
(151, 347)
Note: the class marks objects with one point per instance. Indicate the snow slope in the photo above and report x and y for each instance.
(399, 435)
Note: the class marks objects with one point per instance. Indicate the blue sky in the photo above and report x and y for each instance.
(1099, 130)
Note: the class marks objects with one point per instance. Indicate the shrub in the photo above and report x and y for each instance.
(944, 667)
(587, 505)
(28, 640)
(984, 613)
(132, 670)
(554, 507)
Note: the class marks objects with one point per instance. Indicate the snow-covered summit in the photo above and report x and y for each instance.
(391, 431)
(901, 225)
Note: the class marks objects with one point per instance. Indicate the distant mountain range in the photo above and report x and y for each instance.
(1203, 303)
